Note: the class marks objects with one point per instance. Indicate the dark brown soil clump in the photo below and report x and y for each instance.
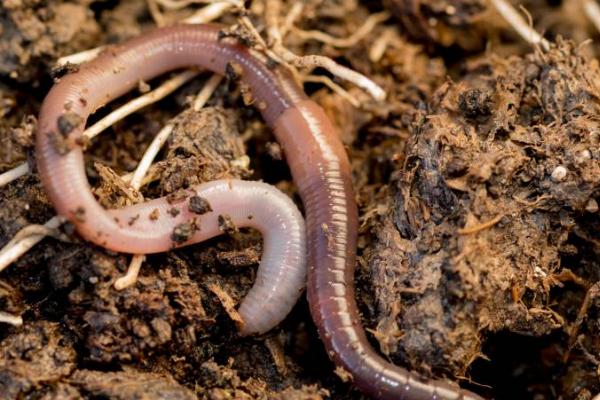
(500, 176)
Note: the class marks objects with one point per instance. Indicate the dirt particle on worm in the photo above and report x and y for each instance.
(133, 219)
(183, 232)
(62, 70)
(241, 35)
(226, 225)
(174, 212)
(67, 122)
(83, 142)
(154, 214)
(240, 258)
(79, 214)
(58, 142)
(233, 71)
(199, 205)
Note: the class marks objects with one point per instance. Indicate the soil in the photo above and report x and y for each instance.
(478, 182)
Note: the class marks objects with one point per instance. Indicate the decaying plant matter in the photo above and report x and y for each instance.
(499, 183)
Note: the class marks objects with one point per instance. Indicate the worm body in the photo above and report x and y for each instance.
(281, 276)
(317, 160)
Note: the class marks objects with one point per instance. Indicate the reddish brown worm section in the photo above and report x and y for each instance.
(317, 160)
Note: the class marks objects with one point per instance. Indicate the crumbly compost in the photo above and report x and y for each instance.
(501, 175)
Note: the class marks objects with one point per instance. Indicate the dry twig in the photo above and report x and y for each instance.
(209, 13)
(180, 4)
(212, 11)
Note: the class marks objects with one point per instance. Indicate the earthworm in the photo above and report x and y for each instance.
(317, 159)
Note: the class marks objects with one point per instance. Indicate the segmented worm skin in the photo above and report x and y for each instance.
(281, 275)
(317, 160)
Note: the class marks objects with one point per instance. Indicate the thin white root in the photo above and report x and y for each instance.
(207, 91)
(333, 86)
(7, 318)
(149, 155)
(281, 54)
(134, 105)
(25, 241)
(290, 18)
(32, 230)
(592, 10)
(338, 70)
(14, 174)
(519, 24)
(132, 273)
(276, 31)
(81, 57)
(272, 15)
(137, 178)
(352, 40)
